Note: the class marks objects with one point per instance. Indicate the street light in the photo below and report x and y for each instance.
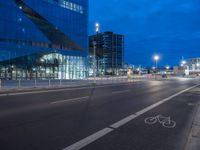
(97, 26)
(156, 58)
(183, 62)
(94, 61)
(94, 51)
(167, 67)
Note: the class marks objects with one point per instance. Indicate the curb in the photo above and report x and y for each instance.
(193, 142)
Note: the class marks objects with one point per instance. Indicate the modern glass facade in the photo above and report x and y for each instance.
(43, 39)
(109, 53)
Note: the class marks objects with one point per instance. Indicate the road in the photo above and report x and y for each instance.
(109, 117)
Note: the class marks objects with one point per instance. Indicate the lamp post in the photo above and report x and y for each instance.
(156, 58)
(167, 67)
(183, 62)
(94, 51)
(185, 68)
(94, 61)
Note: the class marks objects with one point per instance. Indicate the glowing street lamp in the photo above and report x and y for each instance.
(183, 62)
(167, 67)
(97, 26)
(156, 58)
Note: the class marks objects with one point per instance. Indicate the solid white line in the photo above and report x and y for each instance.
(139, 113)
(67, 100)
(88, 140)
(123, 121)
(119, 92)
(60, 90)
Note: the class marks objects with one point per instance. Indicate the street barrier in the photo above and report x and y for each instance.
(15, 84)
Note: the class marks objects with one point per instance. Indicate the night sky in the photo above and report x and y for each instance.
(170, 28)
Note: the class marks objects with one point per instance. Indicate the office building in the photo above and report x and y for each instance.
(192, 66)
(109, 49)
(43, 39)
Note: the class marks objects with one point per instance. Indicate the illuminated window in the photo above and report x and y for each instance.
(68, 5)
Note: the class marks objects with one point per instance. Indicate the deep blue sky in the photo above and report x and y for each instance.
(170, 28)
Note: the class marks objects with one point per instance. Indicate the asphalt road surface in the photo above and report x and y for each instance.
(111, 117)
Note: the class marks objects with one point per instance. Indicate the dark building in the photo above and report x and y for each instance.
(43, 39)
(109, 52)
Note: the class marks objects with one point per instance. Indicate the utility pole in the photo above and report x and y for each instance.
(94, 51)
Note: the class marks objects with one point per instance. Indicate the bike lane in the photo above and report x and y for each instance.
(156, 133)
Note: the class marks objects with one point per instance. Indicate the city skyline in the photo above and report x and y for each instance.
(170, 29)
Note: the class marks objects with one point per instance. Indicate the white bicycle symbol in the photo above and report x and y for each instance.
(165, 121)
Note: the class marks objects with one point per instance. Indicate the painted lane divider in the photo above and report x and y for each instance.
(89, 139)
(67, 100)
(120, 92)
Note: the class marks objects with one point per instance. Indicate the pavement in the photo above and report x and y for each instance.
(106, 117)
(193, 142)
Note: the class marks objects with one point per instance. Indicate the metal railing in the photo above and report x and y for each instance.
(15, 84)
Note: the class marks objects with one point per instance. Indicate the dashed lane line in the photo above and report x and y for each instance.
(120, 92)
(67, 100)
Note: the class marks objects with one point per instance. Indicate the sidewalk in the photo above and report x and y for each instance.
(193, 142)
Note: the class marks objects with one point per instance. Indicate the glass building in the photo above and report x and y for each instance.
(109, 53)
(43, 39)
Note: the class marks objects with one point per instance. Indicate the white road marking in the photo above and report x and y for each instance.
(90, 139)
(67, 100)
(119, 92)
(165, 121)
(3, 95)
(86, 141)
(60, 90)
(123, 121)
